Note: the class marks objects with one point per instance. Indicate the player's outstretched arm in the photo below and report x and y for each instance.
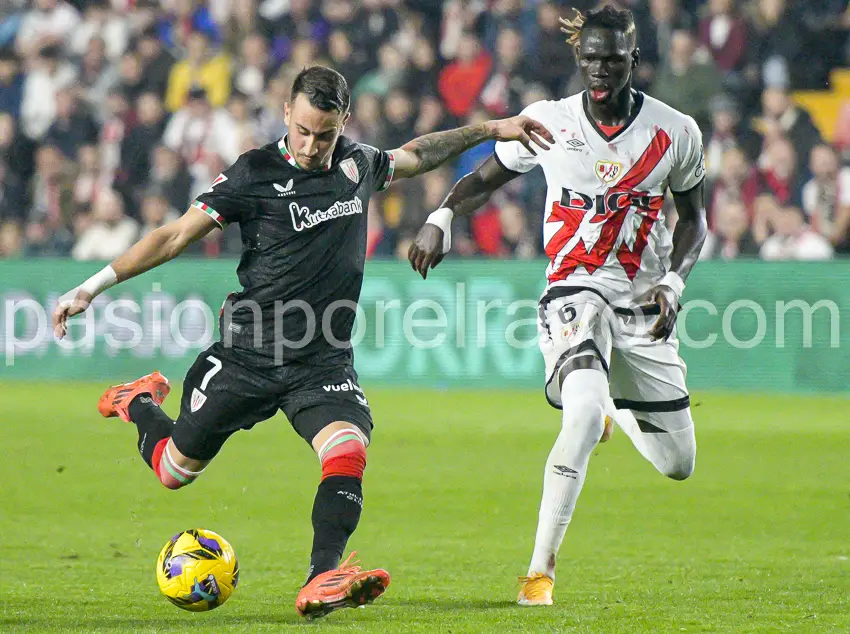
(688, 238)
(159, 246)
(469, 193)
(428, 152)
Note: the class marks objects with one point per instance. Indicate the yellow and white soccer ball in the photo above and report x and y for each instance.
(197, 570)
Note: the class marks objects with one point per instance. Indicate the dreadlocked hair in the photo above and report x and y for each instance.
(607, 18)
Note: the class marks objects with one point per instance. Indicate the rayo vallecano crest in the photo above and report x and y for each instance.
(349, 168)
(608, 171)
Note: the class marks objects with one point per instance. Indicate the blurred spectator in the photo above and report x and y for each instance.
(202, 135)
(826, 197)
(88, 181)
(723, 33)
(399, 114)
(778, 174)
(100, 22)
(131, 82)
(736, 183)
(111, 232)
(368, 124)
(11, 84)
(554, 59)
(47, 76)
(72, 128)
(254, 69)
(119, 118)
(390, 74)
(272, 125)
(775, 44)
(343, 57)
(187, 18)
(155, 213)
(202, 67)
(138, 145)
(731, 237)
(502, 92)
(170, 176)
(284, 23)
(424, 73)
(685, 82)
(841, 138)
(655, 29)
(461, 81)
(780, 116)
(727, 131)
(431, 116)
(246, 127)
(97, 78)
(793, 239)
(49, 216)
(12, 196)
(156, 62)
(11, 240)
(48, 23)
(17, 152)
(372, 23)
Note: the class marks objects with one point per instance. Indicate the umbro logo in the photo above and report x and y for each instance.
(575, 144)
(284, 190)
(566, 471)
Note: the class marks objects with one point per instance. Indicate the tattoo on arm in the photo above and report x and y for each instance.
(436, 148)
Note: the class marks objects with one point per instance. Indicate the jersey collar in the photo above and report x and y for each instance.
(638, 97)
(281, 145)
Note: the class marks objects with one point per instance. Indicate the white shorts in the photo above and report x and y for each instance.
(643, 374)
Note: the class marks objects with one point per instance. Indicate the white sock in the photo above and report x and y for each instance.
(583, 393)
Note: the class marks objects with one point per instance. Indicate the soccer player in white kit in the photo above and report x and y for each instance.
(608, 314)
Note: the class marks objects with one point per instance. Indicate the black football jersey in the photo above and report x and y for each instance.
(303, 248)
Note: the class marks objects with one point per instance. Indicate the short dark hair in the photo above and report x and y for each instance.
(607, 17)
(325, 88)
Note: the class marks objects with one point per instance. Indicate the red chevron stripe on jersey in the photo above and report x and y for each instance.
(612, 218)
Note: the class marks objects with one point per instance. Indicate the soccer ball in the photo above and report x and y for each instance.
(197, 570)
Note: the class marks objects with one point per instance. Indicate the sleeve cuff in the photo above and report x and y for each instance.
(212, 213)
(503, 166)
(390, 172)
(687, 191)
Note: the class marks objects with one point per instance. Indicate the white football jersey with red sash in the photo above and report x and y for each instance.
(604, 226)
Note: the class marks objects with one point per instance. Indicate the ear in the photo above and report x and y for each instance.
(635, 58)
(345, 119)
(286, 113)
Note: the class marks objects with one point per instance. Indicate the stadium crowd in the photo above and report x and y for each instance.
(114, 114)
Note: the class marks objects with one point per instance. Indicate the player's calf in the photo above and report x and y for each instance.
(172, 468)
(339, 498)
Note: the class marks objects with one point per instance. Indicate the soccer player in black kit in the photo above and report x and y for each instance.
(301, 207)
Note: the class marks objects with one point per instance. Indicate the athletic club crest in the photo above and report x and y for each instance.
(608, 171)
(198, 400)
(349, 168)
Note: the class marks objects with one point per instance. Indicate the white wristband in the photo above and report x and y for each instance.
(100, 281)
(674, 281)
(442, 218)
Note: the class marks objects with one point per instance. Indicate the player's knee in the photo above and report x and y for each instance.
(343, 454)
(680, 468)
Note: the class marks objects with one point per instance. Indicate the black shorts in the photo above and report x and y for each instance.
(223, 393)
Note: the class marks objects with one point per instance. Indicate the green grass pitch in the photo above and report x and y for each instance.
(757, 540)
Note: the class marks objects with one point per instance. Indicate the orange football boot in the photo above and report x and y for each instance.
(346, 587)
(116, 400)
